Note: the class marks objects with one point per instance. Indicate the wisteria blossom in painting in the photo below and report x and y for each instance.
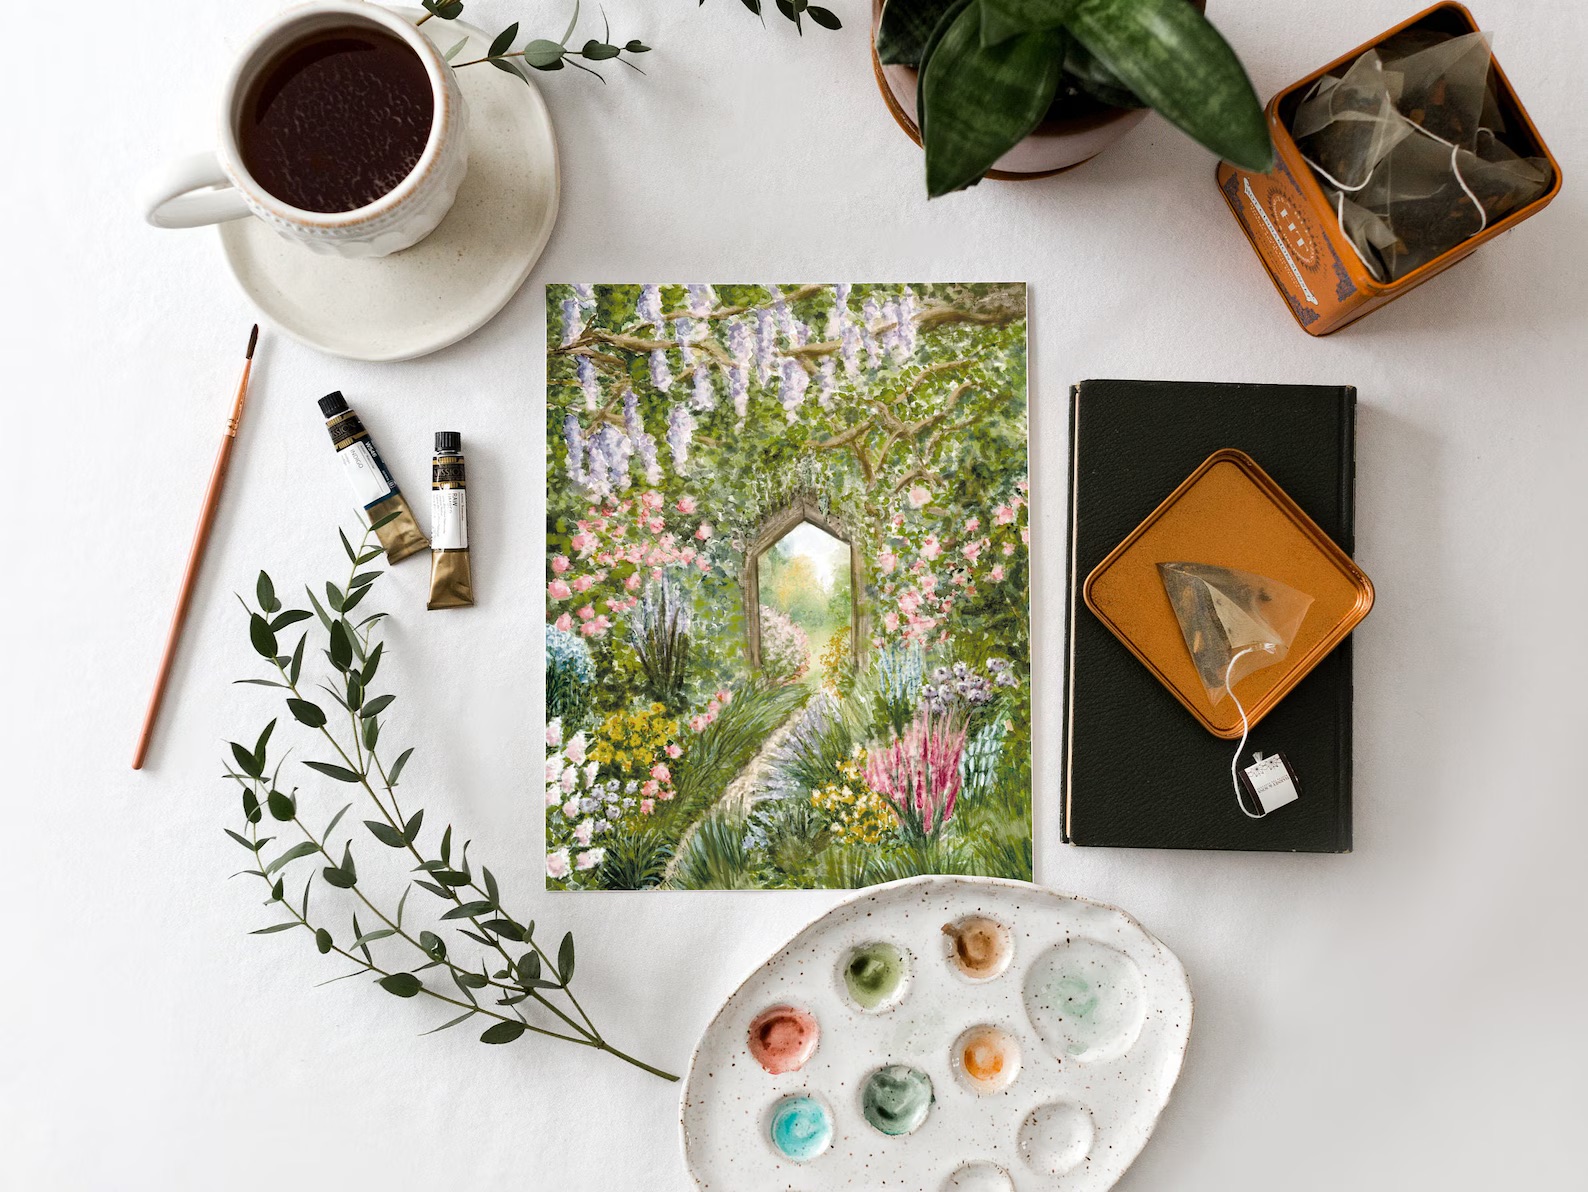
(787, 629)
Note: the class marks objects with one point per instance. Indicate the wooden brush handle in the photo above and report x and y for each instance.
(195, 558)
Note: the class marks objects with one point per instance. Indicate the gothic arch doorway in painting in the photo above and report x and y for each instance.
(803, 509)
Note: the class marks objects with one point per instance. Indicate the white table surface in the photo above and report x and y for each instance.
(1409, 1016)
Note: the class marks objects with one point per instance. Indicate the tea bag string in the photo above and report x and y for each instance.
(1455, 168)
(1246, 729)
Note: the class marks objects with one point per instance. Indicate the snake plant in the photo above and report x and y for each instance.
(991, 70)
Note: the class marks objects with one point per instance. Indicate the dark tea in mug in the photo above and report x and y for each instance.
(336, 119)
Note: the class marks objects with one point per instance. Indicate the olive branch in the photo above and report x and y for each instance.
(527, 994)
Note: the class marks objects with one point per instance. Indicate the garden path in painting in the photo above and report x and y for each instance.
(787, 634)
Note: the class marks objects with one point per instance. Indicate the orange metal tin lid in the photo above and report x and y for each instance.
(1228, 513)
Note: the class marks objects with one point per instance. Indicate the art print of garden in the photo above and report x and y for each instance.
(788, 632)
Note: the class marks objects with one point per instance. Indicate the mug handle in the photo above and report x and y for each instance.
(173, 197)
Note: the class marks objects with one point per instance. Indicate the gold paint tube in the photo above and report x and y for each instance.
(376, 491)
(451, 584)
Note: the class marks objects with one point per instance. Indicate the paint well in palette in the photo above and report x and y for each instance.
(783, 1038)
(979, 1177)
(1056, 1137)
(896, 1099)
(1086, 1000)
(979, 948)
(875, 975)
(987, 1058)
(800, 1128)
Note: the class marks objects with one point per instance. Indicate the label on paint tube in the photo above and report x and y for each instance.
(366, 473)
(449, 519)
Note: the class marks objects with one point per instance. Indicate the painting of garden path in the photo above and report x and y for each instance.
(788, 633)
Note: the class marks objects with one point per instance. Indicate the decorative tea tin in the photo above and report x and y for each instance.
(1228, 513)
(1294, 230)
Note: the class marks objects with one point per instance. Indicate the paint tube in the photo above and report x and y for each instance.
(451, 583)
(373, 487)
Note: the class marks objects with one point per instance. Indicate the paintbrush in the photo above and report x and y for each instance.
(195, 557)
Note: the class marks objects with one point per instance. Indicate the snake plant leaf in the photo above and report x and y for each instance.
(1003, 19)
(1169, 55)
(1083, 69)
(905, 29)
(978, 101)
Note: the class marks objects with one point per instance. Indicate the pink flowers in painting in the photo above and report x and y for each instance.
(920, 773)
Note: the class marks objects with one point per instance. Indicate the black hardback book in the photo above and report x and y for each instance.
(1139, 771)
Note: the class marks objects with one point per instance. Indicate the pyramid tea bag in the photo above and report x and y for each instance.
(1411, 148)
(1234, 622)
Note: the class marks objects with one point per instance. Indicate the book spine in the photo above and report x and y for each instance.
(1071, 588)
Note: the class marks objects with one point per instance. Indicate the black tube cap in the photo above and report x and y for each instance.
(449, 441)
(333, 404)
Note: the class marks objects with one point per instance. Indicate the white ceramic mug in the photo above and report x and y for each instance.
(212, 187)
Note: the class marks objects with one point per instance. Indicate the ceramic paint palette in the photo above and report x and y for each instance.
(941, 1033)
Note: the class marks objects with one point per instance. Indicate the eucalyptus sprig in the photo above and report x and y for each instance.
(538, 53)
(794, 10)
(530, 993)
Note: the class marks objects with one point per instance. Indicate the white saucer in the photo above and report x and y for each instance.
(453, 282)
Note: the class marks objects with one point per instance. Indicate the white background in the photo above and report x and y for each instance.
(1409, 1016)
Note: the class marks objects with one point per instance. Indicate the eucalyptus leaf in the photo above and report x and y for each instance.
(385, 833)
(341, 647)
(979, 101)
(825, 17)
(565, 959)
(468, 910)
(296, 668)
(260, 634)
(342, 534)
(401, 984)
(306, 713)
(411, 828)
(323, 941)
(1168, 54)
(503, 1032)
(282, 807)
(397, 766)
(464, 1017)
(377, 705)
(449, 56)
(504, 41)
(335, 819)
(543, 54)
(385, 520)
(265, 591)
(435, 947)
(245, 759)
(271, 930)
(340, 773)
(291, 617)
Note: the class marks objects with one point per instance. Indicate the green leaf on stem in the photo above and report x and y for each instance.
(335, 819)
(598, 51)
(371, 733)
(504, 41)
(323, 941)
(341, 647)
(453, 53)
(347, 546)
(432, 888)
(637, 47)
(502, 1032)
(435, 947)
(491, 890)
(385, 833)
(271, 930)
(529, 967)
(296, 668)
(385, 520)
(302, 849)
(468, 910)
(572, 22)
(259, 633)
(369, 937)
(565, 959)
(266, 592)
(262, 683)
(283, 807)
(251, 810)
(505, 928)
(242, 840)
(543, 54)
(397, 768)
(470, 980)
(325, 618)
(291, 617)
(354, 595)
(340, 773)
(355, 691)
(401, 984)
(306, 713)
(446, 843)
(246, 761)
(467, 1014)
(372, 663)
(825, 17)
(411, 828)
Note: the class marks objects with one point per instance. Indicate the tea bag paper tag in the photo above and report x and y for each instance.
(1270, 782)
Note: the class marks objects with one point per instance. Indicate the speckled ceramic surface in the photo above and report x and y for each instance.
(941, 1033)
(455, 280)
